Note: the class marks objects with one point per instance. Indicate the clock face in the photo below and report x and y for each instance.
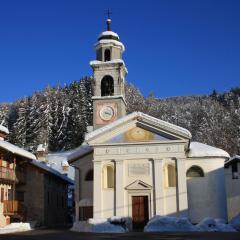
(106, 113)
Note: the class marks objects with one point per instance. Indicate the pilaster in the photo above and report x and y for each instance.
(119, 188)
(158, 186)
(97, 190)
(182, 188)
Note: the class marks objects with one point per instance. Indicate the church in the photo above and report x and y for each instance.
(137, 166)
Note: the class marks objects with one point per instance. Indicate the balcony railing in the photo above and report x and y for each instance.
(7, 174)
(12, 207)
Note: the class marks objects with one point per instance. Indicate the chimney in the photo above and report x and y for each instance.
(42, 152)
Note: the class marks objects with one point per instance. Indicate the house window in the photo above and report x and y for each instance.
(108, 176)
(89, 175)
(235, 170)
(85, 213)
(107, 86)
(170, 175)
(195, 171)
(107, 55)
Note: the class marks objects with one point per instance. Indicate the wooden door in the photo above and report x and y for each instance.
(139, 211)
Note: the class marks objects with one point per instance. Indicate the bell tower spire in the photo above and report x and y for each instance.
(108, 13)
(109, 78)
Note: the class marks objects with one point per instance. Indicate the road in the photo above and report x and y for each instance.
(56, 234)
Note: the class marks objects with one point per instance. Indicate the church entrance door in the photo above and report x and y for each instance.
(140, 215)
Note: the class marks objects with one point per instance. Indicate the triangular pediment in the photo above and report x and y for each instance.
(140, 134)
(138, 185)
(137, 127)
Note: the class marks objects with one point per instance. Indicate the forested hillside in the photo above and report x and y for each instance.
(60, 115)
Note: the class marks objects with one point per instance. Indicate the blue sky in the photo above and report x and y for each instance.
(173, 47)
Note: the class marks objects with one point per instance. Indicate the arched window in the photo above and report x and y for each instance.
(107, 55)
(195, 171)
(107, 86)
(170, 175)
(89, 175)
(108, 176)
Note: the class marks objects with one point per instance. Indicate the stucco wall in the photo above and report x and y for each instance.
(83, 189)
(233, 192)
(206, 195)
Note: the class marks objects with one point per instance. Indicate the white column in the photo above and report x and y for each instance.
(119, 185)
(158, 186)
(97, 190)
(182, 188)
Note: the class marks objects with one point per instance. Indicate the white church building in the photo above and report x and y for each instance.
(137, 166)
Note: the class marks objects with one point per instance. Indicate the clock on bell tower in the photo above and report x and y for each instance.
(109, 78)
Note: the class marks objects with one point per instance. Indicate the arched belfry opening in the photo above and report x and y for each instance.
(107, 55)
(107, 86)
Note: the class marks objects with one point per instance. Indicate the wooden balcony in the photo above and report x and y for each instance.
(7, 174)
(12, 208)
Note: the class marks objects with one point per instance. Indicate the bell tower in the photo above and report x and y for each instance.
(109, 78)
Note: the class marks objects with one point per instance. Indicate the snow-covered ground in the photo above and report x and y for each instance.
(15, 227)
(169, 224)
(99, 226)
(173, 224)
(235, 222)
(214, 225)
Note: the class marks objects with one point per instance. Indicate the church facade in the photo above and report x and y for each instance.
(137, 166)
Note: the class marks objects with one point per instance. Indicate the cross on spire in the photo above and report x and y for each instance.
(108, 13)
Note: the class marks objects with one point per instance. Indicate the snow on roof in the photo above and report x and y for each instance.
(157, 122)
(198, 149)
(71, 155)
(96, 62)
(4, 129)
(45, 167)
(108, 33)
(232, 159)
(110, 41)
(65, 163)
(16, 150)
(41, 148)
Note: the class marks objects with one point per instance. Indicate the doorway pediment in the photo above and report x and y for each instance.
(138, 185)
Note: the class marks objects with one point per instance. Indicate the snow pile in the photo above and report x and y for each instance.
(235, 222)
(4, 129)
(97, 226)
(15, 227)
(214, 225)
(169, 224)
(198, 149)
(174, 224)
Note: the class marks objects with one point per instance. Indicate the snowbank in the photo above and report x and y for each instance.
(15, 227)
(235, 222)
(173, 224)
(97, 226)
(214, 225)
(169, 224)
